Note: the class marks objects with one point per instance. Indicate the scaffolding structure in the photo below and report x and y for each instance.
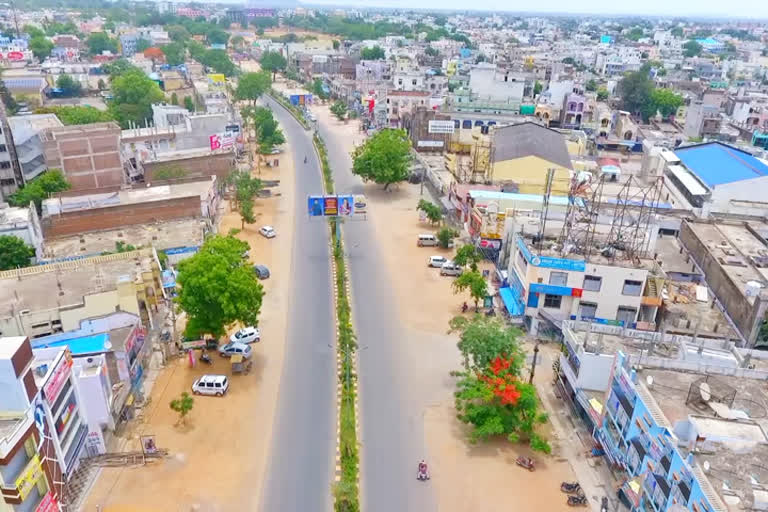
(631, 215)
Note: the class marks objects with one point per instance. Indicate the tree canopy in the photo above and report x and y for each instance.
(319, 90)
(640, 96)
(383, 158)
(217, 60)
(267, 130)
(217, 36)
(474, 283)
(375, 53)
(273, 62)
(99, 42)
(692, 48)
(68, 86)
(251, 86)
(142, 44)
(433, 212)
(174, 53)
(40, 188)
(218, 288)
(41, 47)
(14, 252)
(133, 94)
(339, 109)
(468, 255)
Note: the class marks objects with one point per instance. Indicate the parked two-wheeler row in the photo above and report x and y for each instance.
(577, 498)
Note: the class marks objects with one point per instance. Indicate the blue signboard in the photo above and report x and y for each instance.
(550, 262)
(180, 250)
(315, 206)
(332, 206)
(551, 289)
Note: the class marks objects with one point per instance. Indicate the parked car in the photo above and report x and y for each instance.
(235, 348)
(211, 385)
(246, 335)
(426, 240)
(262, 272)
(449, 268)
(436, 261)
(267, 232)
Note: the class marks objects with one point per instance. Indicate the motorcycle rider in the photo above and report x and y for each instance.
(423, 470)
(305, 159)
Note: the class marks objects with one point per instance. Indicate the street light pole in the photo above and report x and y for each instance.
(533, 366)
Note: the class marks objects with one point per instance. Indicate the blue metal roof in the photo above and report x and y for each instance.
(83, 345)
(716, 163)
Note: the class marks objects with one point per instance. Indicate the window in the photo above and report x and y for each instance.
(558, 278)
(3, 149)
(592, 283)
(632, 287)
(553, 301)
(626, 315)
(5, 165)
(413, 82)
(587, 309)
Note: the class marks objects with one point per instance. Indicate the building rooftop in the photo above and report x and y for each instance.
(160, 235)
(25, 127)
(94, 343)
(62, 284)
(13, 215)
(530, 139)
(716, 163)
(58, 205)
(9, 345)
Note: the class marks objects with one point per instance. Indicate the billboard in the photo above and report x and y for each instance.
(429, 143)
(336, 206)
(441, 126)
(58, 378)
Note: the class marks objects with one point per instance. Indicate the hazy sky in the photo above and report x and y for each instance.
(691, 8)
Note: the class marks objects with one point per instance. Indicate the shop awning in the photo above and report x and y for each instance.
(513, 304)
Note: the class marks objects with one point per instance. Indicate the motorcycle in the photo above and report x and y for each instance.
(422, 472)
(464, 308)
(570, 487)
(604, 505)
(577, 501)
(525, 462)
(204, 357)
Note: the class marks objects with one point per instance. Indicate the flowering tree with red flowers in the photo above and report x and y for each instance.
(491, 396)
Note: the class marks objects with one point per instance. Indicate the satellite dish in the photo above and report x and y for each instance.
(706, 394)
(649, 380)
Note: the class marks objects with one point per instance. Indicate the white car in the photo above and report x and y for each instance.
(267, 232)
(436, 261)
(246, 335)
(211, 385)
(449, 268)
(231, 349)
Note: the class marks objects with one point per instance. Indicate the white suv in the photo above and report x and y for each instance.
(267, 232)
(246, 335)
(211, 385)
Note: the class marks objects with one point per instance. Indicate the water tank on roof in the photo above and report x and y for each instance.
(753, 289)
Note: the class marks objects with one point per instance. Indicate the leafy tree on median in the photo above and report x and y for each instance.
(14, 252)
(41, 187)
(251, 86)
(246, 188)
(339, 109)
(383, 158)
(475, 283)
(273, 62)
(218, 288)
(431, 210)
(133, 94)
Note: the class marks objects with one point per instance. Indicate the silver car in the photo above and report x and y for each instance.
(235, 348)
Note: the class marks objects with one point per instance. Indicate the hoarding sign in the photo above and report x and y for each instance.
(549, 262)
(215, 141)
(430, 143)
(333, 206)
(58, 378)
(48, 504)
(315, 206)
(441, 126)
(492, 226)
(361, 205)
(346, 206)
(29, 477)
(330, 206)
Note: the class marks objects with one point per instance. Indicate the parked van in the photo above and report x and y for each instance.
(449, 268)
(215, 385)
(427, 240)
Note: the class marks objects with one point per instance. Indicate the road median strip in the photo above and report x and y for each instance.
(292, 109)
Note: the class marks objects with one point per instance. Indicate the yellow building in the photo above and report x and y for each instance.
(522, 155)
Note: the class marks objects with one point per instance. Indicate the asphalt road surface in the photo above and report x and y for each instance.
(391, 414)
(299, 472)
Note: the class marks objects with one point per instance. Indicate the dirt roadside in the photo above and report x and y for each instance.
(218, 459)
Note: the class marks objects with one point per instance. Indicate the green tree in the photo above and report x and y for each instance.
(41, 187)
(237, 42)
(217, 36)
(635, 90)
(602, 94)
(217, 60)
(251, 86)
(32, 31)
(76, 114)
(69, 86)
(339, 109)
(119, 67)
(591, 85)
(383, 158)
(218, 288)
(474, 282)
(635, 34)
(14, 252)
(133, 94)
(468, 255)
(692, 48)
(432, 52)
(267, 130)
(481, 339)
(101, 84)
(178, 33)
(174, 98)
(168, 172)
(336, 44)
(431, 210)
(174, 53)
(665, 102)
(100, 42)
(142, 44)
(41, 47)
(445, 236)
(537, 88)
(677, 32)
(183, 406)
(189, 103)
(318, 89)
(569, 60)
(375, 53)
(273, 62)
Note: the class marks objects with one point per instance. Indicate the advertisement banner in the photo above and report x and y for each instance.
(330, 206)
(441, 126)
(493, 226)
(346, 206)
(58, 378)
(29, 477)
(429, 144)
(215, 141)
(48, 504)
(361, 205)
(315, 206)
